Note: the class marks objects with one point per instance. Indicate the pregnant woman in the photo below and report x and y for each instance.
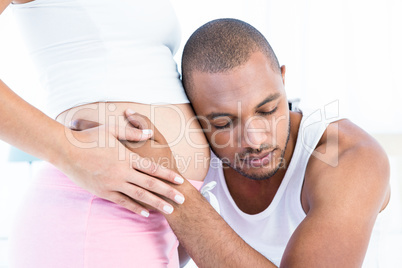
(96, 59)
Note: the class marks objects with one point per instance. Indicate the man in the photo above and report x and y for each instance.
(297, 192)
(294, 208)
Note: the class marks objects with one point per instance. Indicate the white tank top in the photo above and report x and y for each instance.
(269, 231)
(102, 50)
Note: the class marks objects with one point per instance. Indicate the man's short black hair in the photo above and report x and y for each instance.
(221, 45)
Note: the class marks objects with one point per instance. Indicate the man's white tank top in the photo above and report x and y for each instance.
(101, 50)
(269, 231)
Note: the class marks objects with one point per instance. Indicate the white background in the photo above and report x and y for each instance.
(345, 51)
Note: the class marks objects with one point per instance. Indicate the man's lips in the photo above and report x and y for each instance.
(249, 157)
(258, 160)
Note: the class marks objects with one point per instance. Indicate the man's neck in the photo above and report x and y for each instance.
(254, 196)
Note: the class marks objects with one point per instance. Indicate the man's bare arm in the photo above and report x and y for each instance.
(342, 201)
(208, 239)
(344, 205)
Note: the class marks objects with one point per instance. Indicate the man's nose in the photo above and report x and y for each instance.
(256, 131)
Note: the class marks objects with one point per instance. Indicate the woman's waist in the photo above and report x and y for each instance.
(48, 175)
(169, 119)
(176, 122)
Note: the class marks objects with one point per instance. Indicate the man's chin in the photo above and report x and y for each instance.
(261, 173)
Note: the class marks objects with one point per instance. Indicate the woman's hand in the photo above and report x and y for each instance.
(94, 159)
(143, 159)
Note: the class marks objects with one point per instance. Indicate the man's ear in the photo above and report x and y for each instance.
(283, 71)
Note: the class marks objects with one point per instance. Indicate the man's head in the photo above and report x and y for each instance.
(236, 86)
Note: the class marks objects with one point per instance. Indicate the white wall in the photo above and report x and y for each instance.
(346, 50)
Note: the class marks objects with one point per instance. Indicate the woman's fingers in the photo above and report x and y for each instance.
(132, 134)
(137, 120)
(151, 168)
(152, 183)
(147, 198)
(128, 203)
(132, 182)
(142, 122)
(145, 189)
(129, 133)
(146, 184)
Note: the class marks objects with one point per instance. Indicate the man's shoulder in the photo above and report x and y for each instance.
(346, 156)
(344, 139)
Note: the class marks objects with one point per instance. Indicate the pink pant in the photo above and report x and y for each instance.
(62, 225)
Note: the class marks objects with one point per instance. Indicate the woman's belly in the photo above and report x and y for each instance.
(176, 122)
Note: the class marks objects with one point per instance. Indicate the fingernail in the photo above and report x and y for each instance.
(147, 131)
(145, 213)
(179, 179)
(179, 199)
(130, 112)
(168, 209)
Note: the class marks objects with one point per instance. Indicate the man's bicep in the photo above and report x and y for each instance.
(344, 202)
(323, 240)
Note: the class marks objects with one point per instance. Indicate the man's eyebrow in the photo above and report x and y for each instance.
(212, 116)
(268, 99)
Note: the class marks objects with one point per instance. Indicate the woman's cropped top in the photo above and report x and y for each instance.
(102, 50)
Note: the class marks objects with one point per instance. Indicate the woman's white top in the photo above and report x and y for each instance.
(102, 50)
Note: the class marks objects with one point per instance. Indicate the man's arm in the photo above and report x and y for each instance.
(342, 201)
(208, 239)
(343, 205)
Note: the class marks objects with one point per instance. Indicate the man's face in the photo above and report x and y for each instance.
(245, 116)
